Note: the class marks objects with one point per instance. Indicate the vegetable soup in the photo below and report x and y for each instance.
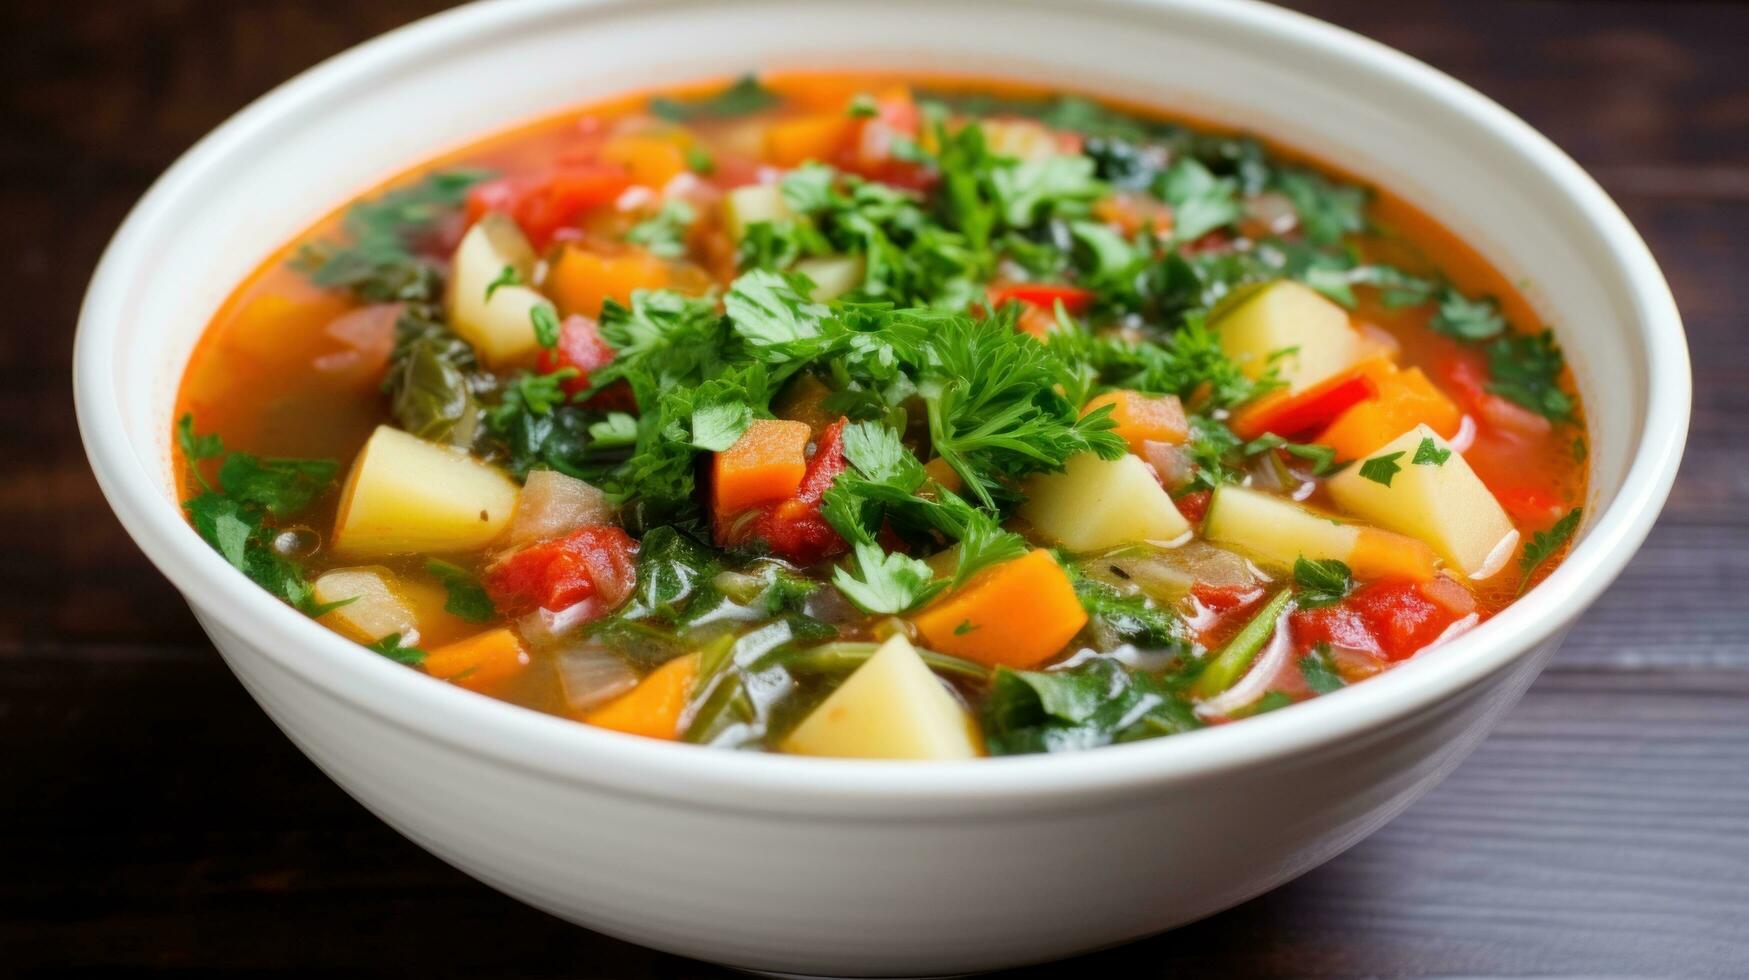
(883, 417)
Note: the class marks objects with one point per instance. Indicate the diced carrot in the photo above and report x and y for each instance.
(582, 280)
(1141, 418)
(789, 142)
(766, 463)
(478, 662)
(1386, 555)
(1016, 614)
(1290, 415)
(944, 474)
(804, 400)
(654, 707)
(1405, 399)
(653, 159)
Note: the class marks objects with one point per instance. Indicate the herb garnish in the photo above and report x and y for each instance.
(1380, 469)
(1543, 545)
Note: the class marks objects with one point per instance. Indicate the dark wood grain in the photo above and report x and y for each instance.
(151, 818)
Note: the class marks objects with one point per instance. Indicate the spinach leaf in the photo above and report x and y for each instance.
(377, 263)
(1094, 703)
(1527, 371)
(1322, 582)
(467, 599)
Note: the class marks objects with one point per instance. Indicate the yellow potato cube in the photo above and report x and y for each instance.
(1275, 530)
(1285, 316)
(892, 707)
(501, 327)
(406, 495)
(1096, 504)
(1443, 504)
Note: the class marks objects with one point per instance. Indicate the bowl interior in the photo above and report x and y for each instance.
(441, 83)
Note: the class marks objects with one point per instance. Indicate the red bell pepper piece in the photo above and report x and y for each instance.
(1043, 295)
(1296, 415)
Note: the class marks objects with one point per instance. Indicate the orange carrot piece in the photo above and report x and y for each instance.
(789, 142)
(582, 280)
(1386, 555)
(653, 159)
(1405, 399)
(479, 662)
(654, 707)
(1141, 418)
(766, 463)
(1016, 614)
(944, 474)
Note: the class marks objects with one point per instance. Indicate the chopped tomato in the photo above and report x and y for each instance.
(1194, 505)
(543, 203)
(871, 148)
(1531, 505)
(1393, 619)
(580, 346)
(1044, 295)
(795, 529)
(591, 564)
(1225, 598)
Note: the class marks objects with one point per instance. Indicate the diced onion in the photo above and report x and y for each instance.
(590, 676)
(1171, 462)
(1167, 574)
(552, 504)
(1273, 211)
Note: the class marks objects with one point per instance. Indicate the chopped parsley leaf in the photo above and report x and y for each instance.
(1380, 469)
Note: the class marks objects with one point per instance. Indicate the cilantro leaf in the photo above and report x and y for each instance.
(546, 325)
(1467, 319)
(282, 486)
(1201, 202)
(1527, 371)
(1428, 453)
(1381, 469)
(1318, 668)
(664, 233)
(507, 276)
(377, 263)
(390, 646)
(1327, 210)
(984, 543)
(885, 584)
(1544, 544)
(742, 97)
(1322, 582)
(467, 599)
(196, 447)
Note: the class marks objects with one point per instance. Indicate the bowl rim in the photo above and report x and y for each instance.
(567, 751)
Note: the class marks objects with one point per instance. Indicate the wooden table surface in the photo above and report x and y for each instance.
(152, 818)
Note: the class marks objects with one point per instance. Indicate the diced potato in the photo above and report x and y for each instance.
(552, 504)
(1275, 530)
(406, 495)
(1445, 505)
(832, 275)
(1096, 504)
(500, 328)
(752, 204)
(1022, 139)
(1287, 316)
(374, 606)
(892, 707)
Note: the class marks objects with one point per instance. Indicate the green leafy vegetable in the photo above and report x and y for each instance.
(467, 599)
(546, 325)
(1201, 202)
(1097, 702)
(1327, 210)
(1381, 469)
(1115, 618)
(378, 263)
(1527, 371)
(1428, 453)
(1318, 668)
(1467, 319)
(664, 233)
(743, 97)
(390, 646)
(885, 584)
(1544, 544)
(1322, 582)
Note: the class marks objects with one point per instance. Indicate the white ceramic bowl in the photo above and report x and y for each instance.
(870, 869)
